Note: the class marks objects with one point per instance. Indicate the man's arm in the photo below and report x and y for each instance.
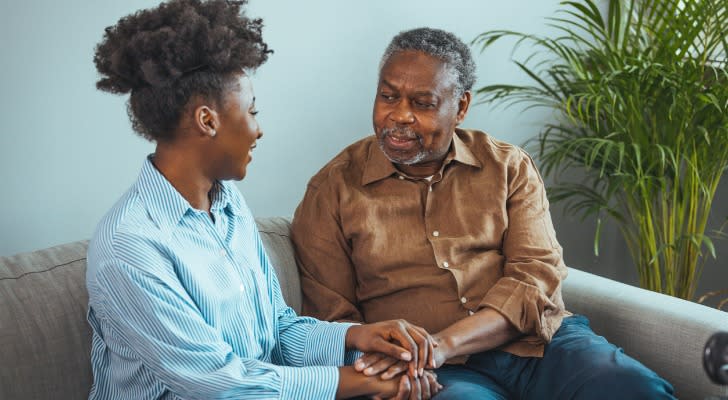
(526, 300)
(328, 280)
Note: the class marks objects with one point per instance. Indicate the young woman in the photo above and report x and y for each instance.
(183, 300)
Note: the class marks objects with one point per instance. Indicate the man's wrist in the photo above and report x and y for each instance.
(445, 349)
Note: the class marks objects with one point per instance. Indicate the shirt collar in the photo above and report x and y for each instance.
(165, 204)
(378, 166)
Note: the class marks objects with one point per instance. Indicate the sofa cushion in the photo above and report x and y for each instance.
(45, 342)
(276, 236)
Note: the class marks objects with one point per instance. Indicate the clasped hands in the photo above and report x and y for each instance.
(398, 349)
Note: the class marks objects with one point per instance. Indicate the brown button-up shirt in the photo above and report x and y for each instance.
(374, 244)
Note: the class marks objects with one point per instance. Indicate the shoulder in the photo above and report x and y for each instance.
(347, 166)
(491, 150)
(125, 235)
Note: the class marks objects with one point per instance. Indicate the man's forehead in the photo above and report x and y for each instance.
(418, 78)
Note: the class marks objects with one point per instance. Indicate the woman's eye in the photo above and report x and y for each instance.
(254, 112)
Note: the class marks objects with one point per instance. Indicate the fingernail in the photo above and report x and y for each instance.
(368, 371)
(422, 372)
(406, 356)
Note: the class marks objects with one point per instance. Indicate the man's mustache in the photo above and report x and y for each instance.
(400, 133)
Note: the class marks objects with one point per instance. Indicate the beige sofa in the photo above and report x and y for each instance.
(45, 340)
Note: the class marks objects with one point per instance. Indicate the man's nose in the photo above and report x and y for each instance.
(402, 113)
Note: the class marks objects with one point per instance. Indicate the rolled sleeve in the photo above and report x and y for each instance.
(529, 292)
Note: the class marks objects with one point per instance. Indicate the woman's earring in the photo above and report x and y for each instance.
(213, 133)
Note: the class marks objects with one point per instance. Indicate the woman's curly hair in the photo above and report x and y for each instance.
(165, 55)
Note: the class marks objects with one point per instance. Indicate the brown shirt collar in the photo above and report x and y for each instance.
(378, 166)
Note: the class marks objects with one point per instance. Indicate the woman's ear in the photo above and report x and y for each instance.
(206, 120)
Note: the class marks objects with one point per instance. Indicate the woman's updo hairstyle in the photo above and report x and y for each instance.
(165, 55)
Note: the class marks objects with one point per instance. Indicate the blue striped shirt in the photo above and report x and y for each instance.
(184, 307)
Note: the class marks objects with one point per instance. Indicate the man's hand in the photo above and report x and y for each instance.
(414, 388)
(397, 339)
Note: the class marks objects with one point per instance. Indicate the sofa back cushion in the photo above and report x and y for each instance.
(276, 236)
(45, 342)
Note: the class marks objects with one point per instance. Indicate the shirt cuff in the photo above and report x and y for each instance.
(351, 356)
(326, 344)
(309, 382)
(519, 303)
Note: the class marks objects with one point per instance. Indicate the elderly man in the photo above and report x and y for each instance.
(450, 229)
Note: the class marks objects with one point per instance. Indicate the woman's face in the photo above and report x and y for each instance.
(237, 132)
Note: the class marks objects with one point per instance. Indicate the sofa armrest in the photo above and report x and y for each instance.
(665, 333)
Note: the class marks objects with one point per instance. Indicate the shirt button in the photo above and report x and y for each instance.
(401, 177)
(463, 300)
(446, 264)
(222, 252)
(241, 287)
(435, 233)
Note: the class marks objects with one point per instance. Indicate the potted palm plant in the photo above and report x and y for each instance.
(640, 93)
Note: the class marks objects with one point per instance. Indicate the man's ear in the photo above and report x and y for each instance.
(463, 106)
(206, 120)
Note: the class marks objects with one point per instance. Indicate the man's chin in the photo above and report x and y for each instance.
(404, 159)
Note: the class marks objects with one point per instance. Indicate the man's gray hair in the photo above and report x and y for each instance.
(441, 44)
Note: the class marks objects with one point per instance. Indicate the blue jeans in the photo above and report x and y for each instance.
(577, 364)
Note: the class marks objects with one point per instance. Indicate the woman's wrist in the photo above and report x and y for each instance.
(353, 383)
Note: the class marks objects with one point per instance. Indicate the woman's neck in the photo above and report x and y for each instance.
(185, 173)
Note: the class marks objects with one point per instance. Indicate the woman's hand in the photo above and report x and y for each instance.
(397, 339)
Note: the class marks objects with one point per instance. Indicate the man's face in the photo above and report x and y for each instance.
(416, 110)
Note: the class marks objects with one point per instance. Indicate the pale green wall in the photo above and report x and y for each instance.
(67, 151)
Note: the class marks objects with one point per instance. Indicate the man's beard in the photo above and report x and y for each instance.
(403, 133)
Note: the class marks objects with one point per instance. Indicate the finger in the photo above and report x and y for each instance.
(380, 366)
(421, 342)
(392, 349)
(432, 344)
(402, 335)
(424, 343)
(426, 389)
(416, 388)
(365, 361)
(394, 370)
(434, 385)
(403, 393)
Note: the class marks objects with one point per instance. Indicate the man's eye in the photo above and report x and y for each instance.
(424, 105)
(387, 97)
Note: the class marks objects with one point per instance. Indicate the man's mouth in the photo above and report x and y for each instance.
(400, 140)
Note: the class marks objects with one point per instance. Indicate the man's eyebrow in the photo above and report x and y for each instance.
(417, 93)
(386, 82)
